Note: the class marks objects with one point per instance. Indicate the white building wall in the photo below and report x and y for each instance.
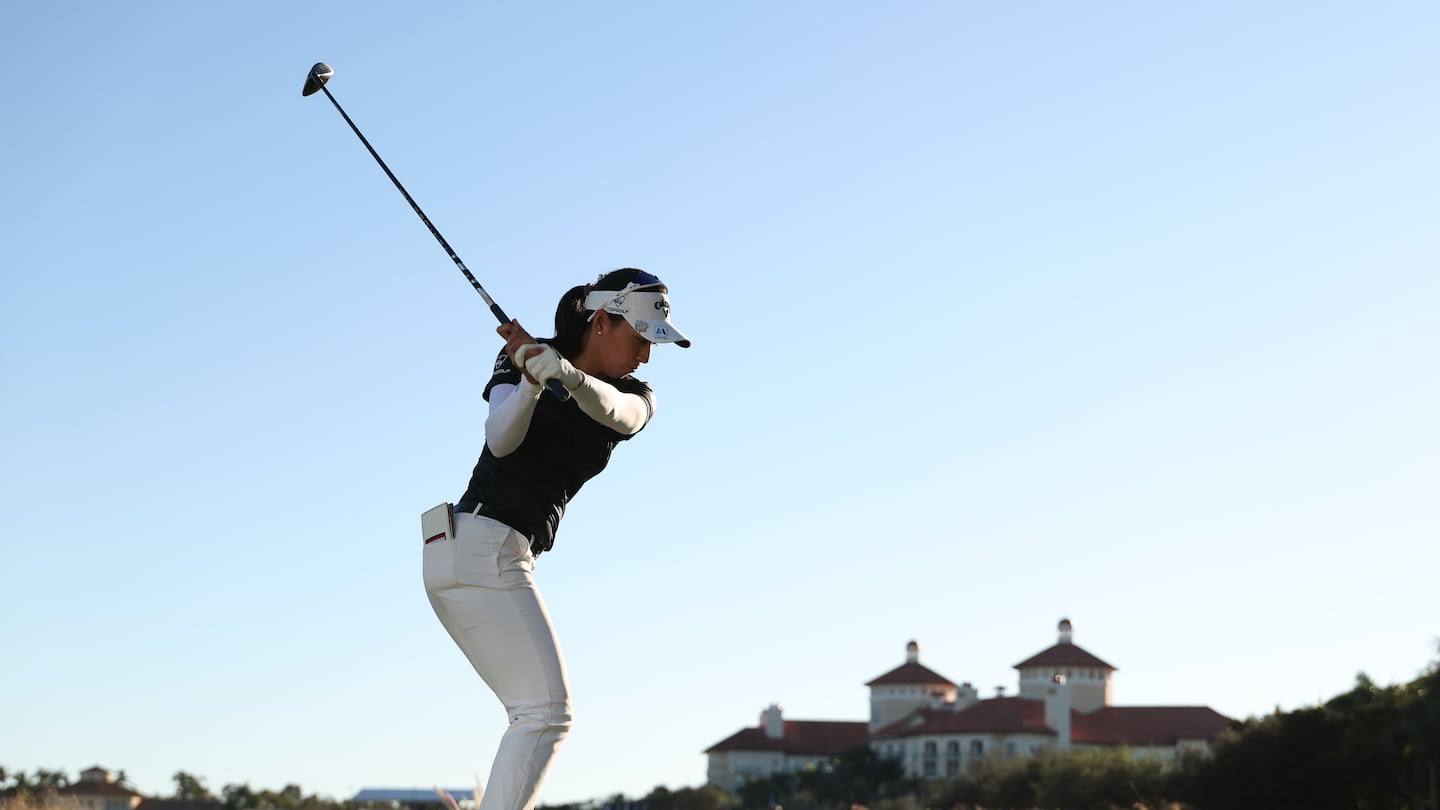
(939, 756)
(1195, 746)
(730, 769)
(1090, 687)
(919, 761)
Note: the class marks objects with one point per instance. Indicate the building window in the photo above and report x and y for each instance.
(977, 748)
(1009, 749)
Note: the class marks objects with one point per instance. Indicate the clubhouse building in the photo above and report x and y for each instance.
(936, 727)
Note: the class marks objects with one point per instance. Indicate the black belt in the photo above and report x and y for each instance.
(493, 514)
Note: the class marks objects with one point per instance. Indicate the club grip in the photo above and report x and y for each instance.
(554, 387)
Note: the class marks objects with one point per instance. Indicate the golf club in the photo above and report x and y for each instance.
(319, 75)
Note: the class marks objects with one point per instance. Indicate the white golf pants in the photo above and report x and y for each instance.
(482, 587)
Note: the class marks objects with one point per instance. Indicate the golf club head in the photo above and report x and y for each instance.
(319, 74)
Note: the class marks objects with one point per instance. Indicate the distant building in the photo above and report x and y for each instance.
(411, 798)
(99, 789)
(779, 746)
(936, 727)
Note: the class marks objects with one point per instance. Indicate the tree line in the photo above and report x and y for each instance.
(42, 784)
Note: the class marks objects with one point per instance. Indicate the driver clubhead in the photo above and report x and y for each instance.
(319, 74)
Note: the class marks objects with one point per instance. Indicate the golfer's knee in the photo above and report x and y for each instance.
(559, 719)
(554, 722)
(560, 724)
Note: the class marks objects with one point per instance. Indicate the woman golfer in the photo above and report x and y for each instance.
(539, 450)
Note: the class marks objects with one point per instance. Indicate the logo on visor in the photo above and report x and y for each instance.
(661, 331)
(642, 327)
(663, 306)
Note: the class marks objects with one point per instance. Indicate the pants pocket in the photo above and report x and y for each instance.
(515, 555)
(439, 565)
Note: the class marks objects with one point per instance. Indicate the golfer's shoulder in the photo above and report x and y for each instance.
(503, 373)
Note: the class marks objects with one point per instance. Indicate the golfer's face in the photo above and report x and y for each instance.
(621, 349)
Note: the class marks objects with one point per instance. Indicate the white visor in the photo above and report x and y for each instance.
(646, 310)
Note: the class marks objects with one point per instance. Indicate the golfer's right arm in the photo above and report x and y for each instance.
(511, 407)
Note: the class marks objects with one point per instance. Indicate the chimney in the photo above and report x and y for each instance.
(1057, 710)
(1067, 632)
(773, 721)
(966, 696)
(912, 652)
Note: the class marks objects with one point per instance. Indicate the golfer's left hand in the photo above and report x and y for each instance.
(517, 338)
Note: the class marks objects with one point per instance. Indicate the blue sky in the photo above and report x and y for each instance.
(1121, 312)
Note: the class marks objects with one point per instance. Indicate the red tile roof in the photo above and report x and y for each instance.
(187, 804)
(1112, 725)
(1010, 715)
(912, 673)
(1064, 655)
(1146, 725)
(92, 788)
(802, 737)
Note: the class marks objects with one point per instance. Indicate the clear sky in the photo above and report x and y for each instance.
(1003, 313)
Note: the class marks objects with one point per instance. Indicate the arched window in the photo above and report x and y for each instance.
(952, 758)
(927, 763)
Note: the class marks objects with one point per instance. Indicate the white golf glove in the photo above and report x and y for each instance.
(549, 365)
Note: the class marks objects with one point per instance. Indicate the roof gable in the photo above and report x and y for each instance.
(1064, 655)
(912, 673)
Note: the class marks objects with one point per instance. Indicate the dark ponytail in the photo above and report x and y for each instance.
(572, 320)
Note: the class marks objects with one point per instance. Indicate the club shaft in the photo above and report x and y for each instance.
(494, 307)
